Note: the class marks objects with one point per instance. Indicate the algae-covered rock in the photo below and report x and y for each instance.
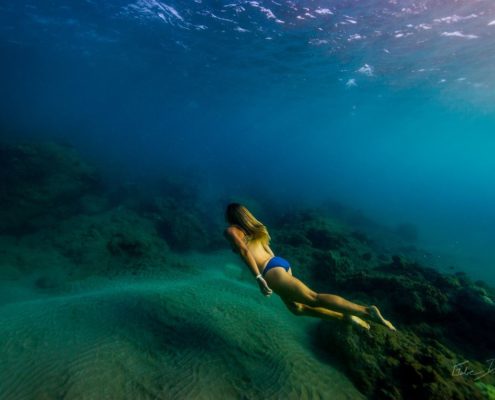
(178, 224)
(111, 243)
(487, 390)
(325, 249)
(436, 314)
(39, 183)
(397, 365)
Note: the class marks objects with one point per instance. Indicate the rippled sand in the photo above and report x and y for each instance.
(205, 333)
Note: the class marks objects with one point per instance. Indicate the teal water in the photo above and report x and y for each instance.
(384, 106)
(382, 113)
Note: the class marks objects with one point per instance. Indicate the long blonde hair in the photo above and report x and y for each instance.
(237, 214)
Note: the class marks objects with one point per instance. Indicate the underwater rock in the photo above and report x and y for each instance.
(294, 238)
(398, 262)
(115, 242)
(436, 313)
(182, 188)
(330, 249)
(420, 303)
(179, 225)
(181, 215)
(476, 305)
(396, 365)
(329, 267)
(324, 239)
(361, 237)
(322, 233)
(447, 282)
(40, 184)
(487, 390)
(121, 244)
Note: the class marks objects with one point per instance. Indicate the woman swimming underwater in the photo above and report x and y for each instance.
(250, 238)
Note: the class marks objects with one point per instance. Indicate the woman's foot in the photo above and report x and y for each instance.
(376, 316)
(357, 321)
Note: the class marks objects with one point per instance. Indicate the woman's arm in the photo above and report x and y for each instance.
(234, 236)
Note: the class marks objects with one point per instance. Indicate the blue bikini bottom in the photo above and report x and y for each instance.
(276, 262)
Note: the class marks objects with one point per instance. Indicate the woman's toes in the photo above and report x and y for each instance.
(357, 321)
(360, 322)
(376, 316)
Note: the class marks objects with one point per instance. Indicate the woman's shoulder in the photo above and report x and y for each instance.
(236, 230)
(234, 227)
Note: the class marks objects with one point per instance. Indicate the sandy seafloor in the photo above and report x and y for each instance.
(205, 332)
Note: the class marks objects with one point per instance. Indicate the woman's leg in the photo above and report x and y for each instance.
(318, 312)
(323, 313)
(292, 289)
(338, 303)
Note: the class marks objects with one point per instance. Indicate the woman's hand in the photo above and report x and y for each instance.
(264, 286)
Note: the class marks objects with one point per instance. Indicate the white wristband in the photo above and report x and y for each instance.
(258, 276)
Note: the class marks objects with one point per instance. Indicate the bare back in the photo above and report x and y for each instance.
(260, 252)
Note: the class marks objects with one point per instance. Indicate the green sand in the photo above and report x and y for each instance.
(204, 333)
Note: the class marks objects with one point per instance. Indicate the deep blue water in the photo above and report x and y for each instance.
(387, 106)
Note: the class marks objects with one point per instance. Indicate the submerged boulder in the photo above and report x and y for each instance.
(437, 315)
(111, 243)
(398, 365)
(39, 183)
(179, 224)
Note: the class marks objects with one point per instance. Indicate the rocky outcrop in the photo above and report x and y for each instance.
(445, 321)
(399, 365)
(40, 184)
